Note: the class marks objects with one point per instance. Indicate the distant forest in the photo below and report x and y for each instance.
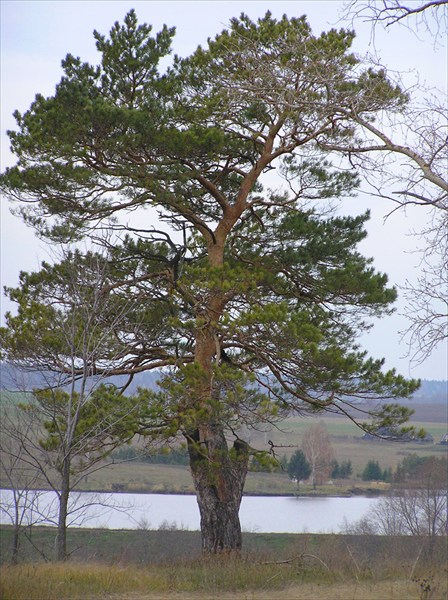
(431, 391)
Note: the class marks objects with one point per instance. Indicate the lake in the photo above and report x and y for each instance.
(262, 514)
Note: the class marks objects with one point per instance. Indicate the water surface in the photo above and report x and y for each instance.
(263, 514)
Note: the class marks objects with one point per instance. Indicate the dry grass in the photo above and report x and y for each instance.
(76, 581)
(389, 590)
(204, 581)
(290, 567)
(353, 590)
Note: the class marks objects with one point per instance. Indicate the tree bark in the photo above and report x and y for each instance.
(61, 537)
(219, 474)
(15, 544)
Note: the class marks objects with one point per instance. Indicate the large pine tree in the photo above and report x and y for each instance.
(251, 299)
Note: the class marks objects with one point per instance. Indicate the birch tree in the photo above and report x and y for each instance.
(316, 446)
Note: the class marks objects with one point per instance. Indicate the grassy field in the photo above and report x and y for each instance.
(160, 478)
(347, 443)
(147, 478)
(287, 437)
(345, 438)
(150, 565)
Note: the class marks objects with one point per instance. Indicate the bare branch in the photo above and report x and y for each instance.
(431, 15)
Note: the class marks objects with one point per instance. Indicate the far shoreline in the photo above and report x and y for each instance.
(354, 492)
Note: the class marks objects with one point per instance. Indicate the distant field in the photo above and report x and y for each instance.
(287, 437)
(347, 443)
(144, 477)
(345, 438)
(432, 413)
(339, 426)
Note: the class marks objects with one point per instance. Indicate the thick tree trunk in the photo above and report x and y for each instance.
(219, 475)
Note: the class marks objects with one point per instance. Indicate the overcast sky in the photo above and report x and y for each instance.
(36, 35)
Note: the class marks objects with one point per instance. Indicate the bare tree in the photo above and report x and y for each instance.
(420, 509)
(318, 451)
(418, 134)
(427, 298)
(411, 512)
(20, 495)
(407, 150)
(74, 419)
(413, 172)
(405, 160)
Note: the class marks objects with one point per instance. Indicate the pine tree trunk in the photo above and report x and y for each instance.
(219, 475)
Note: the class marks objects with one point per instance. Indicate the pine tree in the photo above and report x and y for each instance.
(372, 471)
(298, 467)
(250, 300)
